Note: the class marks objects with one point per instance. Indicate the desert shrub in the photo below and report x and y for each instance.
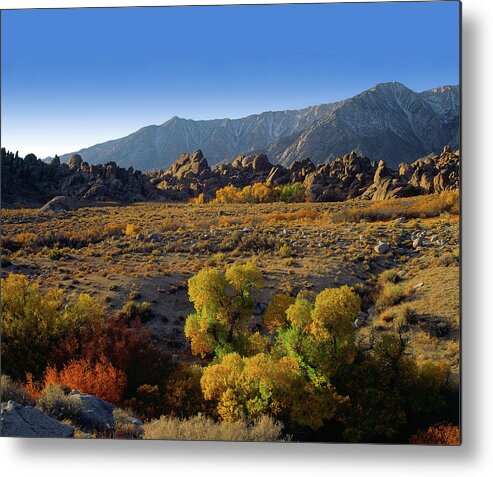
(101, 378)
(391, 276)
(388, 315)
(223, 303)
(169, 225)
(133, 310)
(417, 207)
(26, 239)
(124, 426)
(202, 428)
(407, 315)
(73, 239)
(57, 403)
(285, 251)
(303, 214)
(440, 435)
(216, 260)
(389, 294)
(132, 230)
(13, 391)
(256, 243)
(59, 253)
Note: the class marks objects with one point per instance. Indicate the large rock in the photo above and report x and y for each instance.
(95, 414)
(26, 421)
(61, 202)
(74, 161)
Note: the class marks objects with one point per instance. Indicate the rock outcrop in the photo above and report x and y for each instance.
(347, 177)
(31, 181)
(60, 202)
(25, 421)
(434, 173)
(95, 414)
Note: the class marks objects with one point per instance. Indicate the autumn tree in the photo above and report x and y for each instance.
(275, 315)
(320, 335)
(228, 195)
(249, 387)
(223, 303)
(36, 324)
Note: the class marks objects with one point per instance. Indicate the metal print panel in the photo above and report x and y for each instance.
(234, 223)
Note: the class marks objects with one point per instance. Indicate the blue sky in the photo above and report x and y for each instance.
(73, 78)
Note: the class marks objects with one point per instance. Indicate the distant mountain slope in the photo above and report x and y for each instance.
(389, 122)
(158, 146)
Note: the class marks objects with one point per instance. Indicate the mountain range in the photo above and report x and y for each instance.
(388, 122)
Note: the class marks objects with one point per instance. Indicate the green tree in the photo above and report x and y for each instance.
(223, 303)
(320, 336)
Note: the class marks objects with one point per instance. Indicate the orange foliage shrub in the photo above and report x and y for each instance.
(101, 378)
(441, 435)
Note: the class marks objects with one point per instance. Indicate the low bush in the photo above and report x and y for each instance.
(12, 391)
(132, 230)
(303, 214)
(124, 425)
(204, 428)
(101, 378)
(58, 253)
(57, 403)
(133, 310)
(413, 208)
(389, 294)
(442, 434)
(285, 251)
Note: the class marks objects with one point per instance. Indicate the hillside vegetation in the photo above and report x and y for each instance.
(240, 319)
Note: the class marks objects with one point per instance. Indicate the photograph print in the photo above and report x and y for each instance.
(233, 223)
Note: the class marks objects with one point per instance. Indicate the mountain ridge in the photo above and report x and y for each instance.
(418, 124)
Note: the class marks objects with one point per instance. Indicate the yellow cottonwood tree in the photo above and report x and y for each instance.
(223, 302)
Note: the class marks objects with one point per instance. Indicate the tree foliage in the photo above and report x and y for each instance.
(249, 387)
(35, 324)
(101, 378)
(223, 303)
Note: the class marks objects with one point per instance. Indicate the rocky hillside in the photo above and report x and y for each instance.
(389, 121)
(347, 177)
(156, 146)
(31, 181)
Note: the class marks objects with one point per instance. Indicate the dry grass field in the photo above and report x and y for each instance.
(146, 253)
